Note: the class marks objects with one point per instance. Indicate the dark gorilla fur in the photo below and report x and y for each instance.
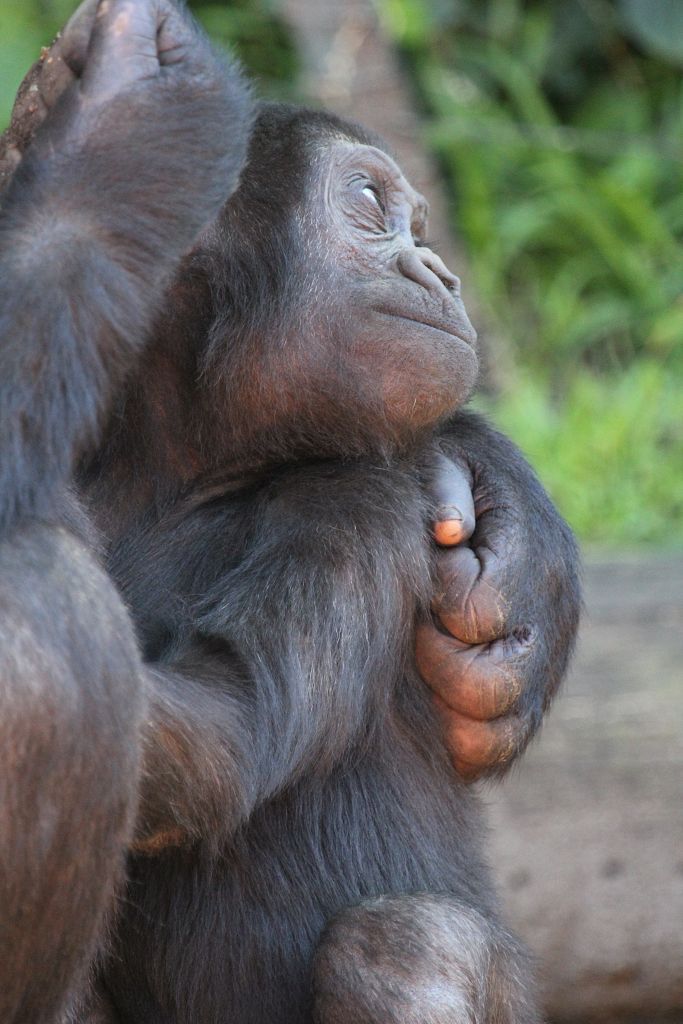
(282, 595)
(302, 849)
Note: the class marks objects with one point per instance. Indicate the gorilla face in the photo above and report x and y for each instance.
(392, 307)
(337, 330)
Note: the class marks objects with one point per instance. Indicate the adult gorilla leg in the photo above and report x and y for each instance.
(70, 713)
(420, 959)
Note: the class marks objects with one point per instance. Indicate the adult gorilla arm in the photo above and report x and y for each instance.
(87, 239)
(90, 235)
(507, 602)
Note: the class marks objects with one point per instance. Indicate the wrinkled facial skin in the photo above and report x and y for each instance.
(392, 307)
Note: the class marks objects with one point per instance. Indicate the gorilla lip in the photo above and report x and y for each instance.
(467, 337)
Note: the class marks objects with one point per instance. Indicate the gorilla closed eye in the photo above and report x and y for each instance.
(374, 196)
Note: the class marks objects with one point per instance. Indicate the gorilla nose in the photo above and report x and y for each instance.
(427, 269)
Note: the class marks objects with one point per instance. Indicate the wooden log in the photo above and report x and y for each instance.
(588, 835)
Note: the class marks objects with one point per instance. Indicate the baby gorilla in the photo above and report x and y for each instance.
(344, 877)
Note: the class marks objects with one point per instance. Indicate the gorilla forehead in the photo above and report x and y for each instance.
(283, 145)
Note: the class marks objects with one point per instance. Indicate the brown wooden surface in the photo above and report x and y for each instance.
(588, 835)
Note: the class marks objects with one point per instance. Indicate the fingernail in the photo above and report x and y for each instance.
(448, 532)
(448, 512)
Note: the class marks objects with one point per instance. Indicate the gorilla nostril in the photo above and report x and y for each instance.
(427, 269)
(415, 269)
(438, 268)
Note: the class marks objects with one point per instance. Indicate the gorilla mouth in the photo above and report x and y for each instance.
(464, 333)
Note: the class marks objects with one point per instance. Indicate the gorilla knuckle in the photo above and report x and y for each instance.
(477, 614)
(506, 688)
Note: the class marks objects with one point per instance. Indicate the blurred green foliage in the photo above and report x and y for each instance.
(611, 453)
(560, 126)
(254, 31)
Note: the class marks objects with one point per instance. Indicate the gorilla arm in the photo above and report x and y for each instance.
(493, 673)
(88, 237)
(295, 646)
(213, 749)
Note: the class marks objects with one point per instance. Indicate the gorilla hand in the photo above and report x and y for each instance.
(137, 154)
(508, 598)
(58, 66)
(109, 45)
